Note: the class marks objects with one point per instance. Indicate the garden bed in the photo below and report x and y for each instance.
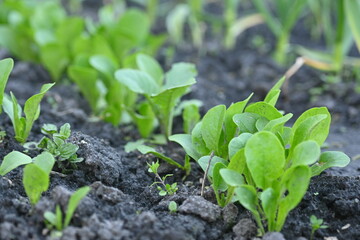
(122, 205)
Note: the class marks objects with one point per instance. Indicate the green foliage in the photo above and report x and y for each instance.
(352, 9)
(191, 117)
(6, 66)
(36, 176)
(56, 143)
(161, 91)
(316, 223)
(165, 189)
(12, 161)
(172, 207)
(259, 161)
(186, 14)
(23, 125)
(56, 220)
(280, 18)
(339, 39)
(235, 25)
(36, 172)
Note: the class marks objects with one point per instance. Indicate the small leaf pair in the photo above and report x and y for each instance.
(36, 172)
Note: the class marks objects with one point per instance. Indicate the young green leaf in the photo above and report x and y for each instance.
(218, 182)
(6, 66)
(198, 141)
(32, 110)
(238, 143)
(45, 161)
(274, 93)
(277, 124)
(320, 125)
(150, 66)
(330, 159)
(306, 153)
(205, 161)
(238, 161)
(352, 9)
(86, 79)
(54, 219)
(230, 126)
(74, 201)
(36, 181)
(137, 81)
(185, 141)
(269, 204)
(212, 127)
(191, 117)
(12, 161)
(149, 150)
(231, 177)
(265, 158)
(307, 130)
(246, 122)
(264, 109)
(55, 58)
(247, 196)
(296, 180)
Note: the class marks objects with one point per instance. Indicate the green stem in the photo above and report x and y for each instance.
(230, 194)
(281, 48)
(338, 48)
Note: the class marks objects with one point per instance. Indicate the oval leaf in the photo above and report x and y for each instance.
(12, 161)
(330, 159)
(265, 158)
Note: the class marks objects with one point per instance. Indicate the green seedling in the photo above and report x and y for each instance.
(190, 13)
(191, 117)
(316, 223)
(36, 172)
(172, 207)
(6, 66)
(234, 26)
(165, 189)
(339, 40)
(56, 144)
(36, 177)
(280, 17)
(161, 91)
(59, 221)
(259, 161)
(23, 125)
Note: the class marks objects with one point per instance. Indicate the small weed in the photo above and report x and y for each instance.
(165, 189)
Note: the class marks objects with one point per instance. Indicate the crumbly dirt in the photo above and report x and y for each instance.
(122, 205)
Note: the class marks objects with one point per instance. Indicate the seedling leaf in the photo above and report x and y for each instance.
(6, 67)
(12, 161)
(330, 159)
(212, 126)
(265, 158)
(74, 201)
(35, 181)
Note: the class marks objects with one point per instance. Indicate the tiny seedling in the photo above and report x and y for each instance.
(316, 223)
(36, 172)
(172, 207)
(23, 125)
(56, 143)
(165, 189)
(56, 221)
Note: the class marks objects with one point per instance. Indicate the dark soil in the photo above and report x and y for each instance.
(121, 205)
